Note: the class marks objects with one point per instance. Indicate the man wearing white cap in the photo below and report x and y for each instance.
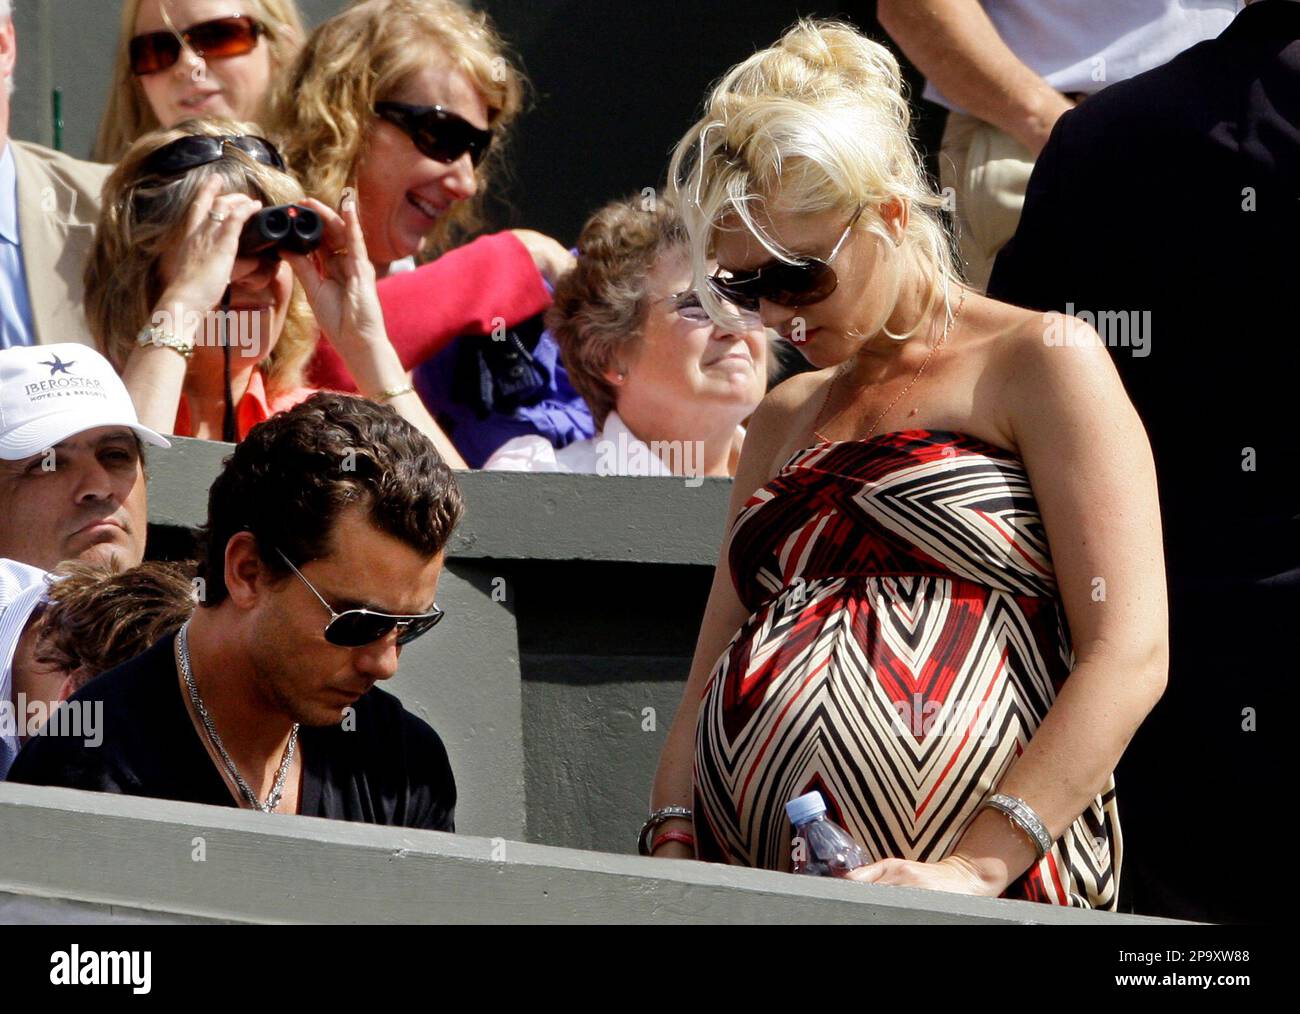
(71, 470)
(71, 485)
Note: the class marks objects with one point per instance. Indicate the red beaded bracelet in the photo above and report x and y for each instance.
(682, 836)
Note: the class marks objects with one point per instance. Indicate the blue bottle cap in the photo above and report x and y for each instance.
(807, 807)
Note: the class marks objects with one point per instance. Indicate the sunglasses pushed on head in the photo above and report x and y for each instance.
(287, 227)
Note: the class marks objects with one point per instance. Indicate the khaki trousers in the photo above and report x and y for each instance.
(983, 172)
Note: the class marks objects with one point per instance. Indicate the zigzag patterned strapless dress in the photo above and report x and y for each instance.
(906, 640)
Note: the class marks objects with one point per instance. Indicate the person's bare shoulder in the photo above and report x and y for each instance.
(794, 393)
(1049, 363)
(789, 409)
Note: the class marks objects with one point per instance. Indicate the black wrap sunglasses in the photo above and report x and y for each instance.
(809, 280)
(442, 136)
(355, 628)
(186, 153)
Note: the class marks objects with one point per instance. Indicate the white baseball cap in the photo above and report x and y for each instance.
(51, 392)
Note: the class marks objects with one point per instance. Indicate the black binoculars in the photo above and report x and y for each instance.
(286, 227)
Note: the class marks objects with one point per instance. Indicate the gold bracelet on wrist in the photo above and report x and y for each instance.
(160, 337)
(394, 392)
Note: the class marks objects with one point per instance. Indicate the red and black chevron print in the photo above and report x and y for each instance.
(905, 643)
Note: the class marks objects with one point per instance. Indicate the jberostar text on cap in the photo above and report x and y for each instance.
(49, 393)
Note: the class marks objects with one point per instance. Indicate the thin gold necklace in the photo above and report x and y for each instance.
(943, 338)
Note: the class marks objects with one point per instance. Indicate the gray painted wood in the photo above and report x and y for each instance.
(117, 850)
(20, 909)
(545, 517)
(463, 678)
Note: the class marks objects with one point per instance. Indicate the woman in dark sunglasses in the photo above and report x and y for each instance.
(210, 342)
(941, 602)
(406, 103)
(178, 59)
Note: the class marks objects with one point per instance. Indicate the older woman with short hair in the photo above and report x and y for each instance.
(668, 387)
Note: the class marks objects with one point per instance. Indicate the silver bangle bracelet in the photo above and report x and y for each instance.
(658, 817)
(1022, 815)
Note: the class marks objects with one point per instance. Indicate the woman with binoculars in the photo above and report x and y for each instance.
(211, 340)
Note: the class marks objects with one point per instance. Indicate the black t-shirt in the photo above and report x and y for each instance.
(388, 767)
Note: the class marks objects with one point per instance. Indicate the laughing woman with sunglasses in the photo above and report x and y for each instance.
(407, 103)
(180, 59)
(211, 339)
(941, 601)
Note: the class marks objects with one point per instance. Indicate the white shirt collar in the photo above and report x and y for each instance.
(631, 455)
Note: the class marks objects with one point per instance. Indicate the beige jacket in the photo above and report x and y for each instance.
(58, 207)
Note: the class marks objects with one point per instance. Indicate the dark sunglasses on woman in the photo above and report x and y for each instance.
(355, 628)
(186, 153)
(212, 40)
(438, 134)
(809, 280)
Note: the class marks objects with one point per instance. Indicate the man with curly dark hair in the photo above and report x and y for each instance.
(326, 535)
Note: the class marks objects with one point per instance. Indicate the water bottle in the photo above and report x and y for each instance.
(828, 850)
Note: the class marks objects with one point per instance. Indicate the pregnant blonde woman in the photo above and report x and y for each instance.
(941, 599)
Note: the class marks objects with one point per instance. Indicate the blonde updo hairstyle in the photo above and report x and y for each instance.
(818, 121)
(142, 216)
(128, 115)
(324, 108)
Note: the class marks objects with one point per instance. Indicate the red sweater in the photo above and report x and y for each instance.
(461, 292)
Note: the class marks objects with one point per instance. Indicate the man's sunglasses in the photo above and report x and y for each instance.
(440, 135)
(808, 280)
(355, 628)
(224, 37)
(186, 153)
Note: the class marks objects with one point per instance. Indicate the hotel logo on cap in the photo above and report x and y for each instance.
(49, 393)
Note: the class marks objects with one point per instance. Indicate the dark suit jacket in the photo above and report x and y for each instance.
(1177, 193)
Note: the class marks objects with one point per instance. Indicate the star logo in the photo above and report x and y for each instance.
(58, 365)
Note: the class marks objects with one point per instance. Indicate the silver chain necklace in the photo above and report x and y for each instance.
(277, 790)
